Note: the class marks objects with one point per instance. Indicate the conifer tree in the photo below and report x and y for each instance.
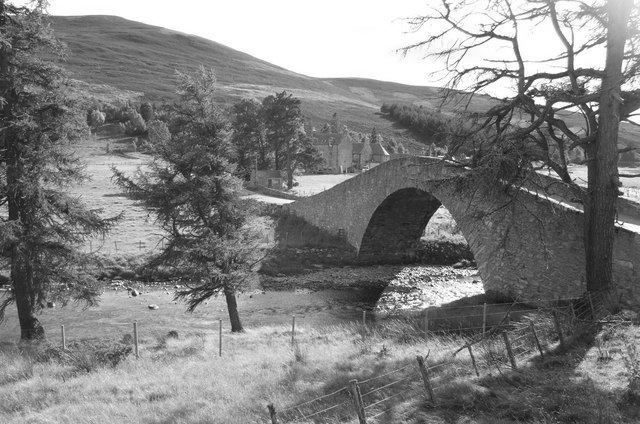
(41, 224)
(191, 188)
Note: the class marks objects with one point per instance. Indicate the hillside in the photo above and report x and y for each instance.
(138, 57)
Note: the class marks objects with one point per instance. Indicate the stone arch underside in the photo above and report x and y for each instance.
(396, 226)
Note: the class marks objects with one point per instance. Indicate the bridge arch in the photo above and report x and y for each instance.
(531, 248)
(396, 226)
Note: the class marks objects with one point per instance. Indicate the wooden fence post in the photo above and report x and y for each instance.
(473, 361)
(484, 318)
(535, 337)
(135, 339)
(64, 338)
(424, 372)
(357, 401)
(507, 344)
(219, 337)
(426, 323)
(556, 322)
(293, 330)
(272, 413)
(593, 311)
(364, 317)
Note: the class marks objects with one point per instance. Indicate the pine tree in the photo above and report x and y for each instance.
(374, 136)
(282, 118)
(249, 139)
(191, 188)
(42, 224)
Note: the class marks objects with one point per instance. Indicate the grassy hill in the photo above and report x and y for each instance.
(143, 58)
(138, 57)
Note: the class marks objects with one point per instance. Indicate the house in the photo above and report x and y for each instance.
(267, 178)
(336, 150)
(379, 154)
(361, 154)
(342, 154)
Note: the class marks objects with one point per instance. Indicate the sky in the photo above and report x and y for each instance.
(328, 38)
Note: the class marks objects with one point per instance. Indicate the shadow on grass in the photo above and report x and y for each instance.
(556, 389)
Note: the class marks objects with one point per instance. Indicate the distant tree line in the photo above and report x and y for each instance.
(433, 127)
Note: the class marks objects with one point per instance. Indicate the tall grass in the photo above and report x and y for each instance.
(183, 380)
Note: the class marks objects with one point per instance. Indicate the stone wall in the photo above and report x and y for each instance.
(526, 245)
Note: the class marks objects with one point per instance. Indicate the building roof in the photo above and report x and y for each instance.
(378, 149)
(357, 148)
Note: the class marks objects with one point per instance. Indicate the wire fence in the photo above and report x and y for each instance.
(508, 345)
(494, 336)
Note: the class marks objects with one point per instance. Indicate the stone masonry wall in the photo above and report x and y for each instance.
(525, 246)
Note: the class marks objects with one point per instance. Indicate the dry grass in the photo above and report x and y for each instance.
(136, 233)
(183, 380)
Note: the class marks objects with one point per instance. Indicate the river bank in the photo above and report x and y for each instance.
(325, 296)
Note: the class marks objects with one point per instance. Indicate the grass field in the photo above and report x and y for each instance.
(184, 381)
(135, 233)
(308, 185)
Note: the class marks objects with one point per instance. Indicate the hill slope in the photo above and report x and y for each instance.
(135, 56)
(143, 58)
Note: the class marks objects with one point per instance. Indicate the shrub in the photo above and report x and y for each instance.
(158, 132)
(135, 124)
(146, 111)
(96, 118)
(87, 356)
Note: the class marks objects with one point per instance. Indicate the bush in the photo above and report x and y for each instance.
(96, 118)
(135, 124)
(158, 132)
(87, 356)
(146, 111)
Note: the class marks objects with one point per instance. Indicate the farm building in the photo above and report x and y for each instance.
(267, 178)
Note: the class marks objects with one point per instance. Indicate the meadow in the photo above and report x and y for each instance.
(182, 379)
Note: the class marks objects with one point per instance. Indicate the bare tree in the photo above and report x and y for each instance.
(571, 92)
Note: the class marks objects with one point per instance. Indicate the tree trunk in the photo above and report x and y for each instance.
(25, 298)
(600, 205)
(232, 307)
(21, 264)
(289, 179)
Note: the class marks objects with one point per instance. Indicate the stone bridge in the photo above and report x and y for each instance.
(529, 246)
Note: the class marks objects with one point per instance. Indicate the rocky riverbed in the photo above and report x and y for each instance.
(399, 287)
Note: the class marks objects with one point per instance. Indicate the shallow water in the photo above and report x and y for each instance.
(412, 288)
